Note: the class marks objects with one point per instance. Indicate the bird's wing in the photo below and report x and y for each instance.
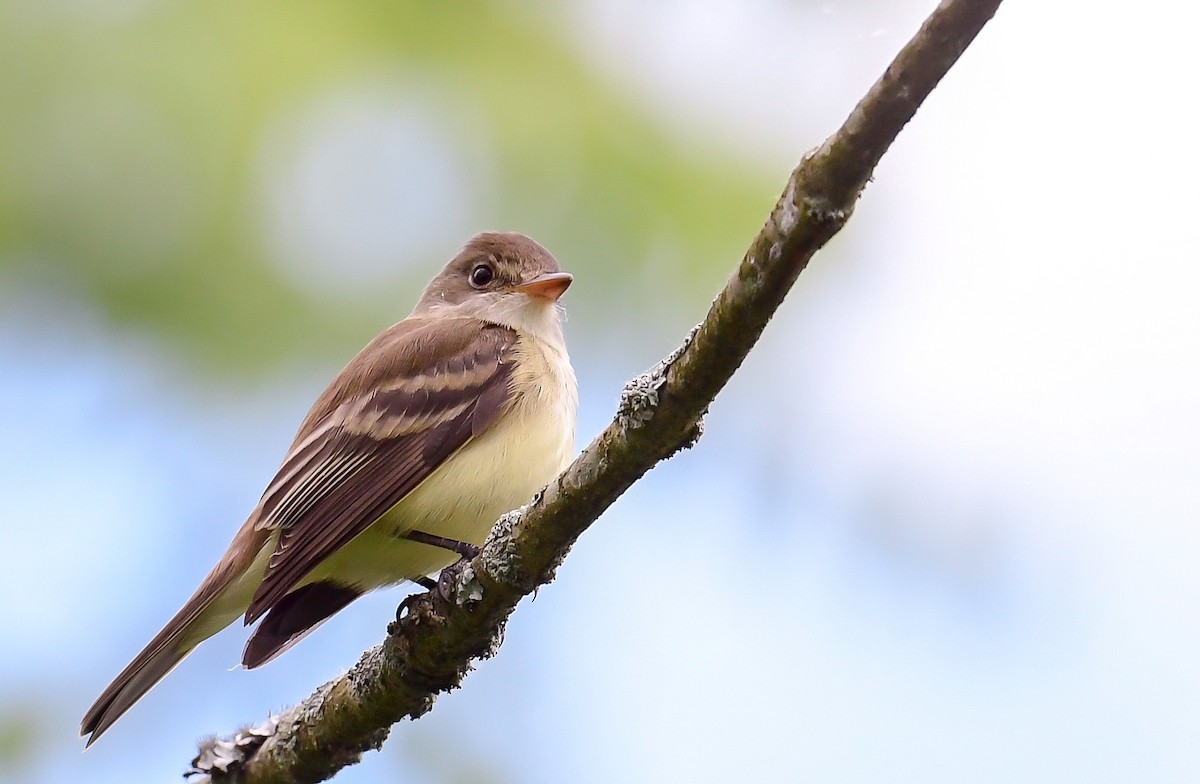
(408, 402)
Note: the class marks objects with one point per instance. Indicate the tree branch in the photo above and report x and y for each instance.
(431, 647)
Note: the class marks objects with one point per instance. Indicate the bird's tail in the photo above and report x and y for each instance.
(148, 668)
(210, 609)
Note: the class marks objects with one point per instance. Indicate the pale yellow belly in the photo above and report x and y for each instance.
(492, 474)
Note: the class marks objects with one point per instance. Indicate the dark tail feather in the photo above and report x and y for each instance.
(213, 606)
(294, 616)
(148, 668)
(202, 616)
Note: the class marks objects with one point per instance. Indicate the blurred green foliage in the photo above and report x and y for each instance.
(21, 726)
(134, 133)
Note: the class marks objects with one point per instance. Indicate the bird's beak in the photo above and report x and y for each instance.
(549, 286)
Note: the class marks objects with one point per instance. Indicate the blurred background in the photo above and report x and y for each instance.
(941, 527)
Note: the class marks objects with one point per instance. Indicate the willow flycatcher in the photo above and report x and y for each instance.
(444, 421)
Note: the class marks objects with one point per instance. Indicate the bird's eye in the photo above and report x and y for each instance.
(481, 276)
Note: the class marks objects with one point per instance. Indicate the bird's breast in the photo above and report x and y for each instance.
(493, 473)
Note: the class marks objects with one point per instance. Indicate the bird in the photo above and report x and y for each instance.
(443, 422)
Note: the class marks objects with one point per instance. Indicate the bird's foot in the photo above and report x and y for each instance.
(446, 586)
(464, 549)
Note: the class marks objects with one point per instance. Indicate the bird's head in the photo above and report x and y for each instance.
(503, 278)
